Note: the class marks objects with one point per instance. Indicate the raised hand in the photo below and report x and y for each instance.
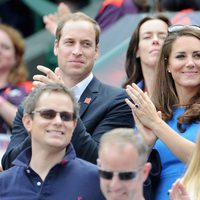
(147, 133)
(49, 77)
(142, 106)
(51, 20)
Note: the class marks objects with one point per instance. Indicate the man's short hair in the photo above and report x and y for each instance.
(31, 100)
(77, 16)
(120, 137)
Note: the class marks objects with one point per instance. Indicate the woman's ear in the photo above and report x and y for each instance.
(168, 69)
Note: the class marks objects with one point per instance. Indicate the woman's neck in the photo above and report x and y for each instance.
(185, 94)
(149, 79)
(3, 79)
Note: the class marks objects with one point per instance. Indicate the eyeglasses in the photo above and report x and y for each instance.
(51, 114)
(175, 28)
(123, 176)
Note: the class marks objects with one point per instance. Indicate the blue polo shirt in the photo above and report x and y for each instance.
(71, 179)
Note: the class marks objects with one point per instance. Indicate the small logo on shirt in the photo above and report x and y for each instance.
(87, 100)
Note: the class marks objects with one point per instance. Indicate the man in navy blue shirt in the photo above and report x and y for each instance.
(49, 168)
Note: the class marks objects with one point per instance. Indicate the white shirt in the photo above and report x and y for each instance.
(79, 88)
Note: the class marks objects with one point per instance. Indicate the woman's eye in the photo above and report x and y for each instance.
(180, 56)
(197, 55)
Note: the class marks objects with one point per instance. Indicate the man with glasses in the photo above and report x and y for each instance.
(123, 166)
(49, 168)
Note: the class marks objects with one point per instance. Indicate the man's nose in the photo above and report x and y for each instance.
(77, 50)
(57, 118)
(115, 182)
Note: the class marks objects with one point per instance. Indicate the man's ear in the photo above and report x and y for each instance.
(27, 122)
(97, 52)
(98, 162)
(75, 123)
(55, 49)
(146, 170)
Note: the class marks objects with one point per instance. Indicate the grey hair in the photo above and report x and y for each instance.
(31, 100)
(120, 137)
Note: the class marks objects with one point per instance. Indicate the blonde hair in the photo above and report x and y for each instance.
(191, 179)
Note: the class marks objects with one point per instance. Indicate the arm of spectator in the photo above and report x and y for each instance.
(178, 191)
(51, 20)
(148, 116)
(7, 111)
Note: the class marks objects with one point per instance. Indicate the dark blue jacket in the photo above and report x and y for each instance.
(71, 179)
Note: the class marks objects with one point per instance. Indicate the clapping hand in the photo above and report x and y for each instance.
(142, 106)
(49, 77)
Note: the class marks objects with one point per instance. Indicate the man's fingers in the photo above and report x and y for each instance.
(41, 78)
(37, 84)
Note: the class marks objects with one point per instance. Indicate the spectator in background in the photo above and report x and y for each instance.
(187, 188)
(109, 12)
(144, 51)
(123, 166)
(49, 168)
(13, 85)
(112, 10)
(177, 96)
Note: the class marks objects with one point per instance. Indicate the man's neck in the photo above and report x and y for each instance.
(71, 81)
(42, 160)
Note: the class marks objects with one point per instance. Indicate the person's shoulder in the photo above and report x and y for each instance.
(7, 175)
(85, 165)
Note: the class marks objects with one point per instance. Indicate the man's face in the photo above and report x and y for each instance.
(50, 133)
(76, 50)
(116, 189)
